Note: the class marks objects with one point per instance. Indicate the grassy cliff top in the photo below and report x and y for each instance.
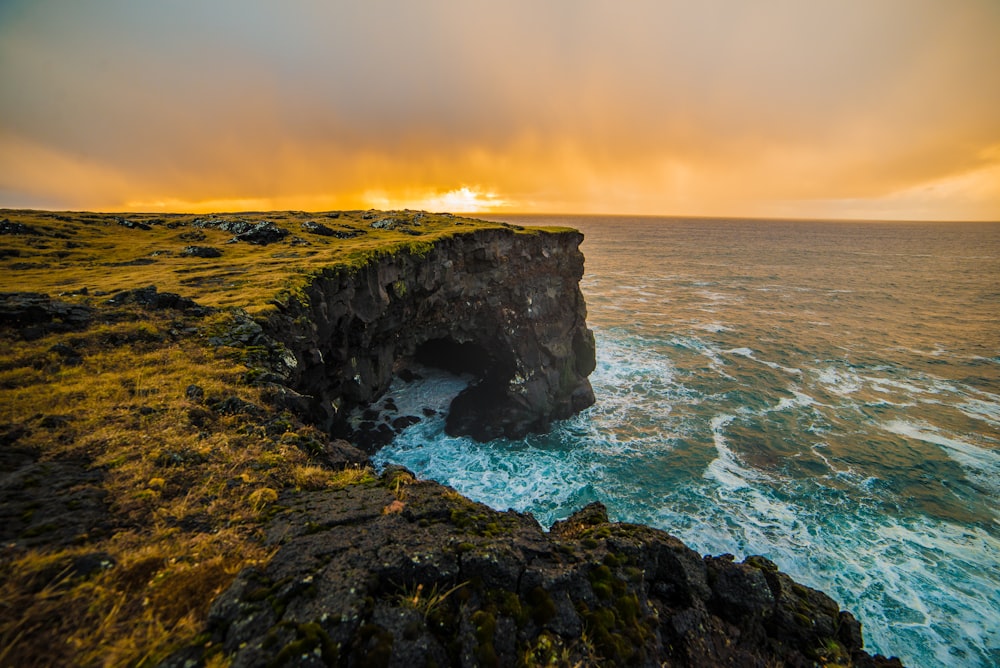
(219, 260)
(139, 463)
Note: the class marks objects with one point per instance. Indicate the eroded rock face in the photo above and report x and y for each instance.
(399, 572)
(507, 303)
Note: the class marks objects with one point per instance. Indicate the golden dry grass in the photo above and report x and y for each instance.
(186, 488)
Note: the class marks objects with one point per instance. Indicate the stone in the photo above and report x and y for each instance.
(150, 297)
(262, 233)
(312, 227)
(201, 251)
(7, 227)
(404, 421)
(407, 572)
(133, 224)
(35, 314)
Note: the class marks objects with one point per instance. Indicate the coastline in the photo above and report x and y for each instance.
(179, 460)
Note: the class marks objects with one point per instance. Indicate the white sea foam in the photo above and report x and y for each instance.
(979, 464)
(896, 572)
(838, 381)
(712, 327)
(726, 468)
(751, 354)
(988, 411)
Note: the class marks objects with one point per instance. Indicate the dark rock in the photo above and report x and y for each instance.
(406, 572)
(339, 454)
(313, 227)
(370, 437)
(192, 235)
(138, 262)
(194, 393)
(35, 314)
(504, 307)
(235, 406)
(262, 233)
(50, 503)
(341, 233)
(86, 565)
(149, 297)
(7, 227)
(133, 224)
(70, 356)
(201, 251)
(404, 421)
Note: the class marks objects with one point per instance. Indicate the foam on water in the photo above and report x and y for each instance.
(980, 464)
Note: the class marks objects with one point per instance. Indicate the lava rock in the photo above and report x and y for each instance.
(404, 421)
(133, 224)
(35, 314)
(407, 572)
(7, 227)
(149, 297)
(510, 302)
(262, 233)
(313, 227)
(201, 251)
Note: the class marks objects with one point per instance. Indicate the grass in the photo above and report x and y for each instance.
(95, 251)
(184, 488)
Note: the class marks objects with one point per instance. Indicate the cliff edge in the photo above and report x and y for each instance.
(502, 305)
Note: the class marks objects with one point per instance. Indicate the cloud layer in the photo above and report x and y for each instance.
(826, 109)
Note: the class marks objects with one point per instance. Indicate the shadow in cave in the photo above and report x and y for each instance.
(440, 374)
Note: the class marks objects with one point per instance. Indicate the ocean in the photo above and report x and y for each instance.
(825, 394)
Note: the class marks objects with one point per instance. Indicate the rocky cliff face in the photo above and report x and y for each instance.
(400, 572)
(501, 304)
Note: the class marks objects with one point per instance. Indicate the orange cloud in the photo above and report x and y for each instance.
(800, 109)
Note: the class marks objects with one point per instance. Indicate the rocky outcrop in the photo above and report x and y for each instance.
(34, 314)
(503, 305)
(400, 572)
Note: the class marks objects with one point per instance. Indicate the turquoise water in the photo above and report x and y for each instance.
(825, 394)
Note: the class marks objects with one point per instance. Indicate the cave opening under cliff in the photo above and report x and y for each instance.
(454, 357)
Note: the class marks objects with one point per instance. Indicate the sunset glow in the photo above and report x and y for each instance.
(787, 109)
(459, 200)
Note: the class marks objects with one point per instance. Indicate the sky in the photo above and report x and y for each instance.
(870, 109)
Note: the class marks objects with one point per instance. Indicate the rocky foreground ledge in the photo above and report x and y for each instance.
(174, 490)
(401, 572)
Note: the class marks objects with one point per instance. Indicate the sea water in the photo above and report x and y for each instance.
(826, 394)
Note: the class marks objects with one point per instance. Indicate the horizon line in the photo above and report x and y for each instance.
(474, 214)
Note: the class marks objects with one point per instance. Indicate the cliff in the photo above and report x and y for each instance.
(173, 489)
(400, 572)
(502, 305)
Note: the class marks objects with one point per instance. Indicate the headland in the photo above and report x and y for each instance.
(186, 433)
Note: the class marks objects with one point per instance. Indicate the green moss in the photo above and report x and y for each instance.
(485, 625)
(541, 607)
(546, 650)
(375, 646)
(508, 604)
(310, 638)
(605, 584)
